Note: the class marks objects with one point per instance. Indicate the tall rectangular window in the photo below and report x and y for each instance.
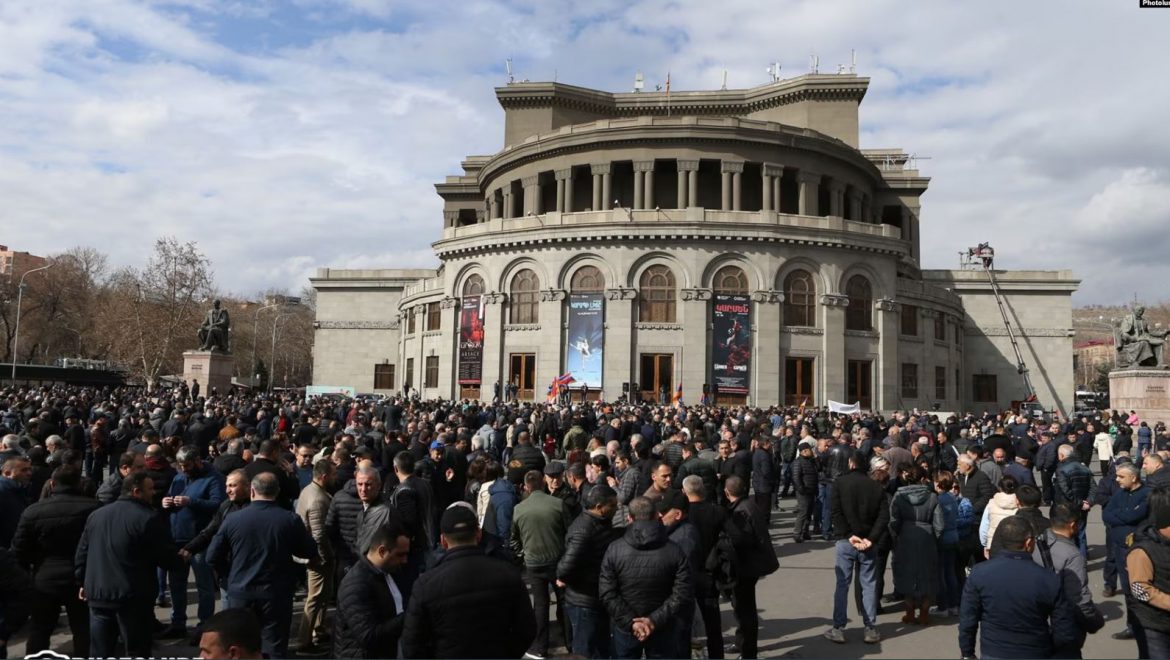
(432, 375)
(408, 379)
(410, 316)
(909, 380)
(940, 327)
(910, 320)
(984, 388)
(940, 383)
(434, 316)
(383, 376)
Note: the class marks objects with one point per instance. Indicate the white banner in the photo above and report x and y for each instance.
(843, 408)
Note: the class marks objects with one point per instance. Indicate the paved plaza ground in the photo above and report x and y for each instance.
(796, 608)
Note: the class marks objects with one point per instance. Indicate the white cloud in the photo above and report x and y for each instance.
(125, 119)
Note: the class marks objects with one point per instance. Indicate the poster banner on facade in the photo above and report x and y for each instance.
(586, 339)
(731, 353)
(471, 340)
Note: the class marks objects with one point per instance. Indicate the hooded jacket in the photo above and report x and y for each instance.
(1001, 506)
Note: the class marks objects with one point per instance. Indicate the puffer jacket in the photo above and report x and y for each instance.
(580, 566)
(367, 624)
(644, 574)
(1001, 506)
(502, 499)
(341, 523)
(805, 475)
(705, 470)
(949, 505)
(1073, 482)
(47, 536)
(111, 488)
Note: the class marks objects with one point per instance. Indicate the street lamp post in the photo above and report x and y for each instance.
(255, 328)
(272, 354)
(16, 329)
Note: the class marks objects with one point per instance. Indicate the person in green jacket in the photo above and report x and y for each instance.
(539, 524)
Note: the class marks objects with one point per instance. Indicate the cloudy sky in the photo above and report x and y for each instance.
(287, 135)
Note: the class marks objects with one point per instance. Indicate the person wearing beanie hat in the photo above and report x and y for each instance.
(469, 604)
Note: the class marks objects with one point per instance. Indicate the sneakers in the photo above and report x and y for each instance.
(835, 635)
(533, 656)
(872, 636)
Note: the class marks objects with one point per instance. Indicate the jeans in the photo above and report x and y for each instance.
(204, 584)
(743, 602)
(132, 622)
(590, 631)
(664, 642)
(1082, 539)
(948, 595)
(847, 557)
(1046, 485)
(44, 612)
(1143, 449)
(275, 617)
(826, 513)
(1110, 570)
(540, 579)
(786, 479)
(1151, 643)
(804, 511)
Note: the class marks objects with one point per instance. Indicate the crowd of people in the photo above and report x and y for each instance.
(409, 528)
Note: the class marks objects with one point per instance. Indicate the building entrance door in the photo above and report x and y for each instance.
(523, 374)
(859, 388)
(798, 382)
(657, 377)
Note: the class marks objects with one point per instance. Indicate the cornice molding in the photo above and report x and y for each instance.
(887, 305)
(495, 297)
(357, 325)
(696, 294)
(834, 300)
(800, 330)
(621, 293)
(658, 326)
(552, 295)
(768, 296)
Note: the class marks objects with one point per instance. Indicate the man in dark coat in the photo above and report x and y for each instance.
(1017, 606)
(111, 488)
(413, 503)
(255, 549)
(15, 474)
(116, 561)
(371, 608)
(268, 460)
(1073, 484)
(45, 543)
(579, 569)
(647, 588)
(764, 479)
(805, 481)
(16, 590)
(861, 516)
(756, 558)
(469, 605)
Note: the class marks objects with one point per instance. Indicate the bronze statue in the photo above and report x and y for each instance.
(1137, 344)
(213, 333)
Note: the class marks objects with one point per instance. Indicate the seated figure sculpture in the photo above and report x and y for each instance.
(1137, 344)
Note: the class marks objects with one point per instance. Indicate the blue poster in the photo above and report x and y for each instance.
(586, 339)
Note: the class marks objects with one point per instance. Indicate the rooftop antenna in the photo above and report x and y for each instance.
(724, 85)
(774, 71)
(508, 65)
(639, 82)
(816, 63)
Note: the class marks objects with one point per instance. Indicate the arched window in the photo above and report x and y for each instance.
(473, 286)
(859, 313)
(656, 303)
(730, 280)
(525, 298)
(587, 279)
(800, 296)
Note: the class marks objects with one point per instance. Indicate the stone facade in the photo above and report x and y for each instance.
(659, 205)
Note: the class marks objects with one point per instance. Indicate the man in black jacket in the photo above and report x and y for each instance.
(763, 479)
(111, 488)
(255, 549)
(16, 590)
(1073, 485)
(805, 481)
(711, 520)
(755, 558)
(413, 502)
(469, 605)
(579, 568)
(45, 543)
(122, 546)
(860, 518)
(268, 460)
(370, 605)
(646, 586)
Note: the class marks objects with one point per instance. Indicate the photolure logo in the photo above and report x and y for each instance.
(1151, 4)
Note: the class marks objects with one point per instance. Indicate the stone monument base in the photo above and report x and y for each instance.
(1144, 391)
(211, 368)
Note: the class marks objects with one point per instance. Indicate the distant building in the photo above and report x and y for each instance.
(15, 264)
(735, 244)
(1089, 356)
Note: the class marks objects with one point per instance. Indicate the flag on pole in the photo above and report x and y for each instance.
(562, 381)
(677, 399)
(668, 93)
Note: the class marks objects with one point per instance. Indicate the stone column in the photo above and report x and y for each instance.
(606, 200)
(809, 183)
(450, 219)
(596, 186)
(531, 195)
(648, 187)
(766, 190)
(736, 169)
(509, 211)
(448, 380)
(886, 370)
(639, 187)
(569, 194)
(562, 177)
(833, 347)
(776, 187)
(836, 193)
(694, 366)
(766, 365)
(691, 168)
(619, 335)
(550, 350)
(726, 189)
(479, 216)
(493, 207)
(493, 343)
(682, 189)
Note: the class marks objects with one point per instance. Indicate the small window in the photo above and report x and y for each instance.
(940, 383)
(434, 316)
(940, 327)
(410, 322)
(985, 388)
(800, 296)
(859, 313)
(383, 376)
(408, 380)
(432, 375)
(910, 320)
(909, 380)
(657, 296)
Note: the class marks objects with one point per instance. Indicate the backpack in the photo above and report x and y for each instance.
(721, 564)
(966, 515)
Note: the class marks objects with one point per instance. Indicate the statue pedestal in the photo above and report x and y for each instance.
(1145, 391)
(210, 368)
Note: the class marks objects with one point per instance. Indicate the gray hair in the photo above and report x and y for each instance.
(187, 453)
(1130, 468)
(234, 447)
(12, 441)
(964, 459)
(476, 442)
(1064, 452)
(54, 440)
(693, 485)
(266, 485)
(368, 472)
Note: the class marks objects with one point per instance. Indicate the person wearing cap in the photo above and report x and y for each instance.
(674, 511)
(805, 481)
(539, 524)
(469, 605)
(579, 568)
(554, 481)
